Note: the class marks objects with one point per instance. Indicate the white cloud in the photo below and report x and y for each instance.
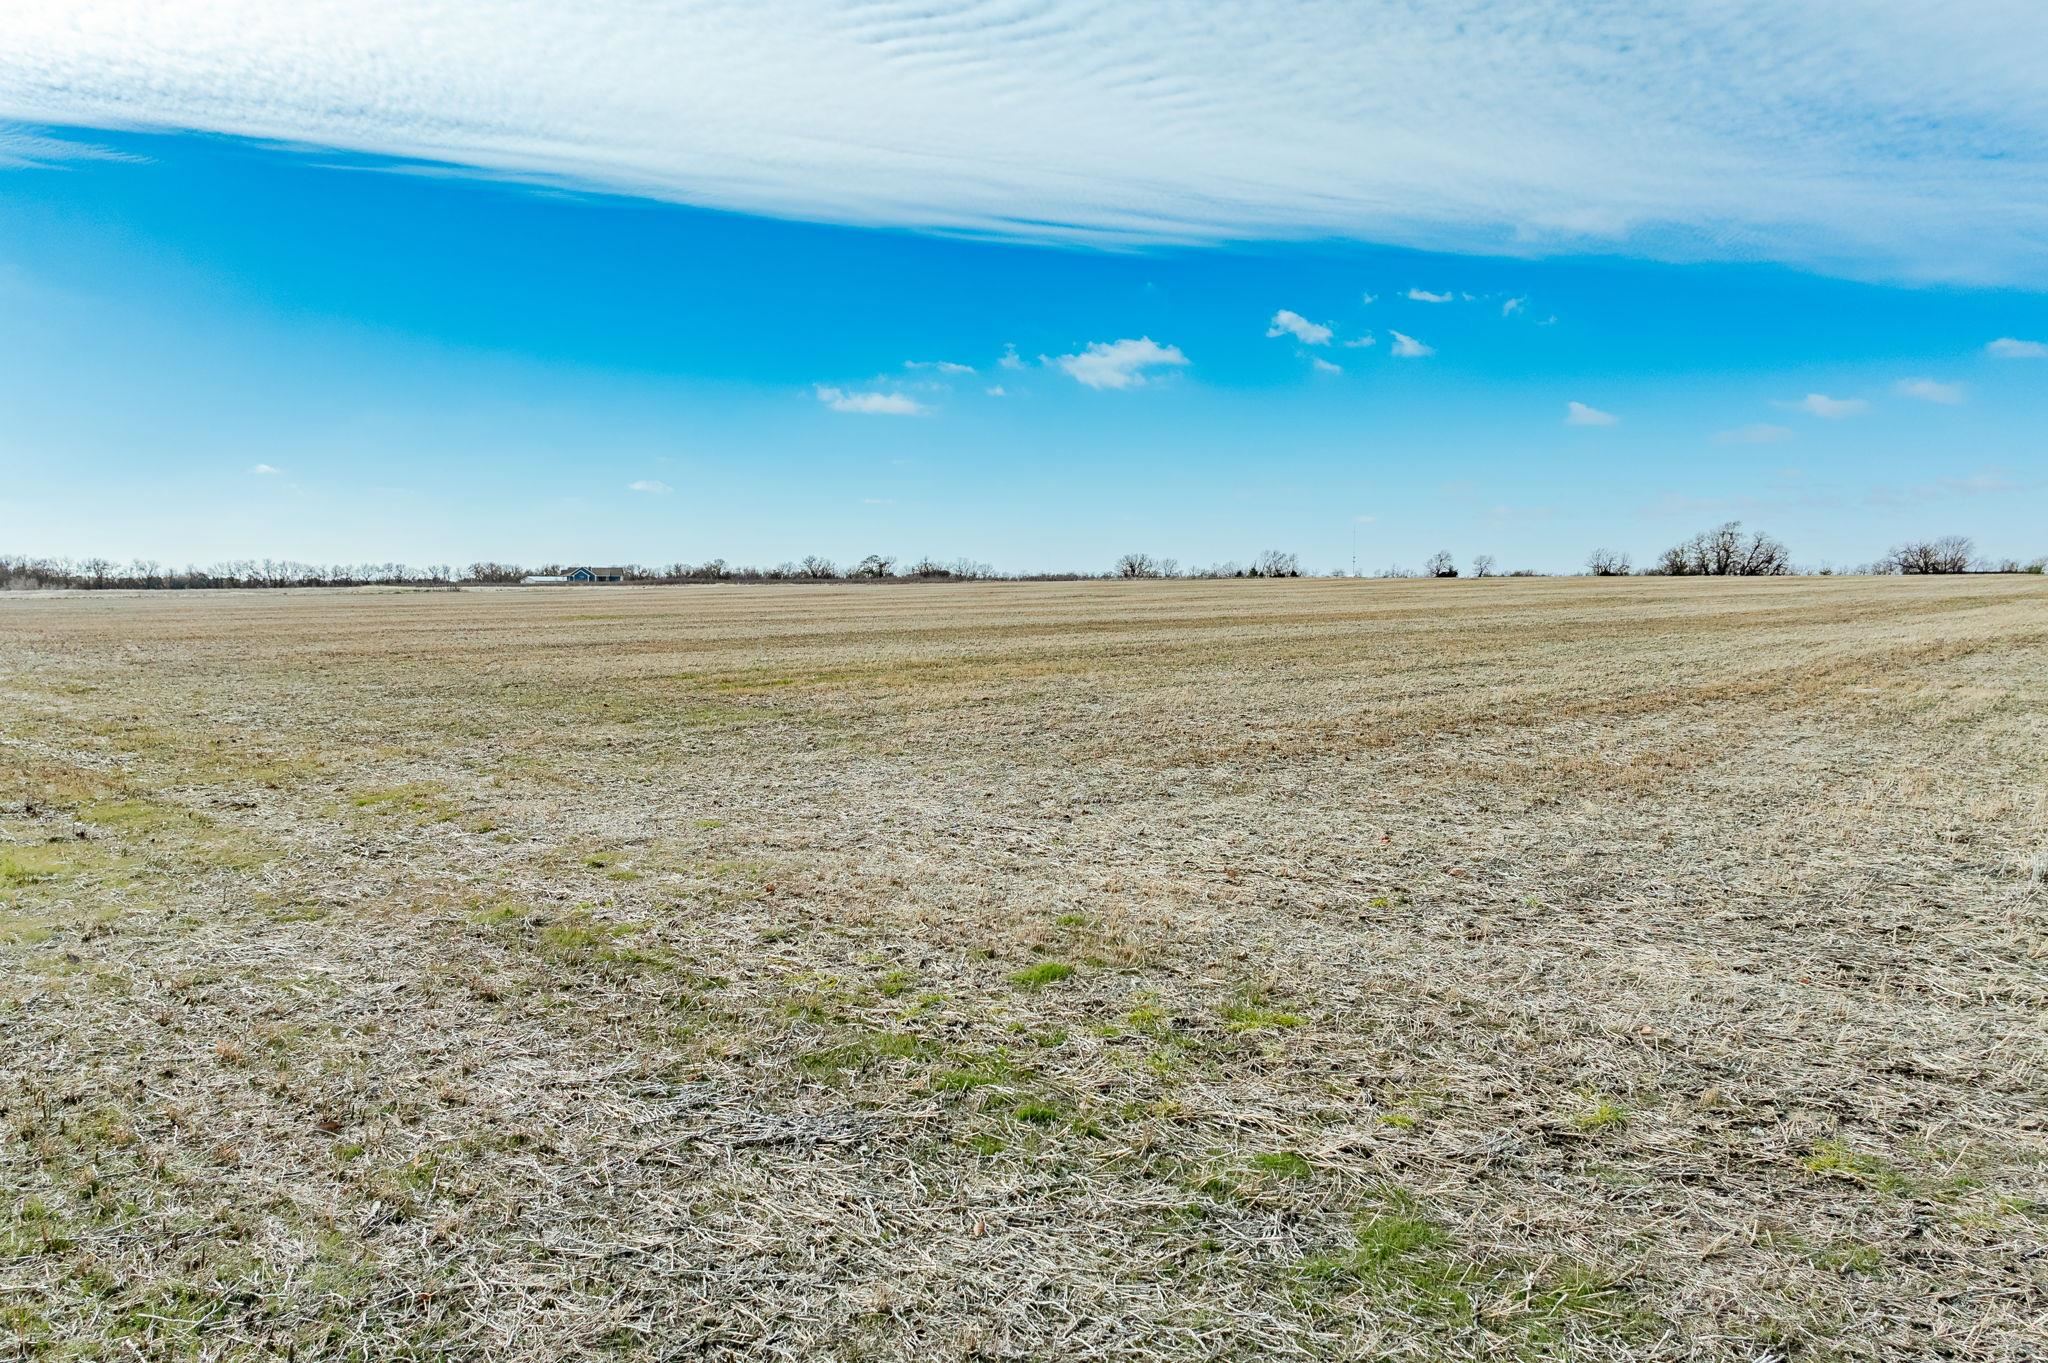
(996, 391)
(1323, 366)
(650, 485)
(942, 366)
(2008, 348)
(870, 404)
(1911, 143)
(1425, 296)
(21, 149)
(1360, 342)
(265, 470)
(1762, 433)
(1930, 390)
(1987, 483)
(1011, 359)
(1513, 306)
(1579, 414)
(1827, 408)
(1287, 322)
(1408, 348)
(1369, 299)
(1119, 364)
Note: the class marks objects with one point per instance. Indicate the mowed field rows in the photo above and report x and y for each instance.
(1633, 969)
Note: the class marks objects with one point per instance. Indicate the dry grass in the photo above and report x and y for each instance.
(1590, 970)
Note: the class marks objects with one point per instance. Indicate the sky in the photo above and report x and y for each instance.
(1035, 282)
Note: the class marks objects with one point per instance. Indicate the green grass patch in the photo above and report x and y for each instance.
(1403, 1260)
(1250, 1015)
(1600, 1114)
(994, 1070)
(1834, 1159)
(862, 1053)
(1036, 977)
(136, 816)
(23, 866)
(424, 801)
(1849, 1256)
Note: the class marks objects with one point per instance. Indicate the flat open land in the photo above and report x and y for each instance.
(1636, 969)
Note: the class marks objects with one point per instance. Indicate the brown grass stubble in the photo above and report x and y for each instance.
(1415, 882)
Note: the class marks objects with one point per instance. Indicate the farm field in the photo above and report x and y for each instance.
(1545, 969)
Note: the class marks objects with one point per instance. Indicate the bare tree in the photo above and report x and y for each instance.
(1949, 554)
(1725, 551)
(1483, 565)
(1608, 563)
(1278, 563)
(1441, 564)
(817, 568)
(1137, 565)
(873, 566)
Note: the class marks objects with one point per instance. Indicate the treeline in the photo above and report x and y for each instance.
(873, 568)
(1725, 551)
(20, 572)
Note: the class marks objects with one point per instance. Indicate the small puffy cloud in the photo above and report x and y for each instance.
(1119, 364)
(1513, 306)
(1360, 342)
(652, 486)
(1579, 414)
(1827, 408)
(1930, 390)
(1369, 298)
(265, 470)
(1763, 433)
(1287, 322)
(1425, 296)
(1323, 366)
(942, 366)
(1011, 359)
(2010, 348)
(996, 391)
(869, 404)
(1408, 348)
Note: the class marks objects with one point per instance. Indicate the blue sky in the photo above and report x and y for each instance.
(466, 354)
